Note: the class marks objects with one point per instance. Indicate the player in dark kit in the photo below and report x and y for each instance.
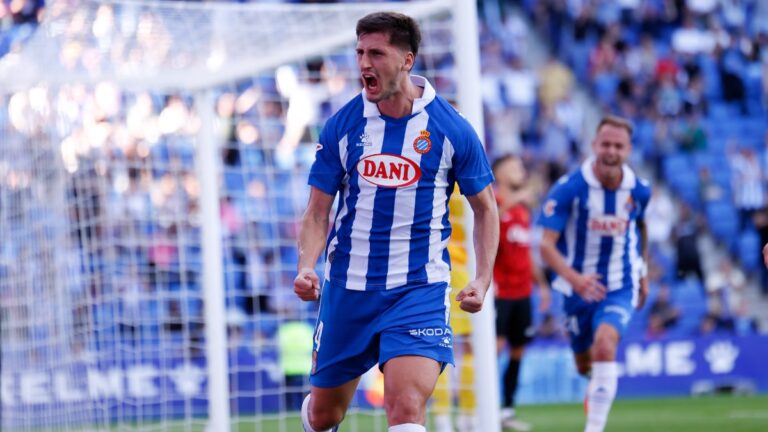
(514, 273)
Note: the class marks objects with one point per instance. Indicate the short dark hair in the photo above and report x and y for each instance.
(616, 121)
(503, 159)
(403, 30)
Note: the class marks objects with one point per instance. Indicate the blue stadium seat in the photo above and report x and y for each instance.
(723, 220)
(711, 76)
(748, 250)
(722, 111)
(682, 176)
(675, 163)
(687, 293)
(605, 85)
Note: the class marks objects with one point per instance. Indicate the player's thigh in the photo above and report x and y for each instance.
(332, 401)
(408, 384)
(503, 317)
(610, 321)
(521, 329)
(606, 342)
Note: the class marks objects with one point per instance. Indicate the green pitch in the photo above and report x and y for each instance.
(706, 414)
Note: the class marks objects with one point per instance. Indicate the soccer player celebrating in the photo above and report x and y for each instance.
(393, 155)
(595, 240)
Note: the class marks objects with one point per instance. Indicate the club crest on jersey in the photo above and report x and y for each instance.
(549, 208)
(422, 143)
(388, 170)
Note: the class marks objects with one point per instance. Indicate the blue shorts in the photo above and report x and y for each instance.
(584, 318)
(357, 329)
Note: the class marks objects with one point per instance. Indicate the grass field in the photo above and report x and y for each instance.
(706, 414)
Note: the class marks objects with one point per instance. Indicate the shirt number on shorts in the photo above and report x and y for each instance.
(318, 335)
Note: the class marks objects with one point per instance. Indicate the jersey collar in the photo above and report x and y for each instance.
(371, 110)
(628, 178)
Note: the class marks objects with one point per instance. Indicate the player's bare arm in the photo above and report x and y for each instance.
(643, 293)
(765, 254)
(314, 229)
(486, 241)
(545, 297)
(588, 286)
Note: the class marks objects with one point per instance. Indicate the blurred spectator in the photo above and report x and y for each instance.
(520, 84)
(556, 145)
(691, 38)
(711, 324)
(661, 217)
(725, 290)
(709, 189)
(603, 57)
(694, 99)
(744, 323)
(664, 144)
(663, 314)
(262, 280)
(18, 19)
(686, 237)
(570, 115)
(496, 97)
(731, 63)
(295, 342)
(642, 59)
(556, 82)
(693, 138)
(669, 99)
(174, 320)
(236, 320)
(747, 185)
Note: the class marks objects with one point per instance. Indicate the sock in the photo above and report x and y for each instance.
(442, 422)
(407, 427)
(466, 423)
(507, 412)
(467, 402)
(510, 382)
(442, 394)
(601, 392)
(305, 416)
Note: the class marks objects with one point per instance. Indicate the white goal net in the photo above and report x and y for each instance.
(153, 164)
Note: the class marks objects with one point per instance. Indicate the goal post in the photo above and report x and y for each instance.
(487, 389)
(153, 162)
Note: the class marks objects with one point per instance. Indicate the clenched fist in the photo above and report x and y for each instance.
(307, 284)
(471, 297)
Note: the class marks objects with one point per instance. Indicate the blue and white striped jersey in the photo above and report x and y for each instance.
(598, 226)
(394, 177)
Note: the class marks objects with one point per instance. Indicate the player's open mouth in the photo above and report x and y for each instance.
(371, 83)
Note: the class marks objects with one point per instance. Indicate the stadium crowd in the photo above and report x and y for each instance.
(692, 75)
